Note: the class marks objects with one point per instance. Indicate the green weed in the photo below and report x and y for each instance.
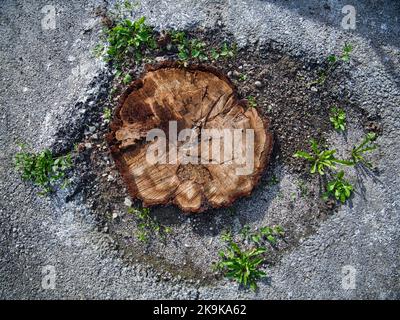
(42, 168)
(367, 145)
(338, 119)
(332, 63)
(320, 159)
(129, 38)
(107, 115)
(148, 226)
(252, 103)
(242, 265)
(339, 188)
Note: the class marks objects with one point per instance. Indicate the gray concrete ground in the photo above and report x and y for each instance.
(46, 75)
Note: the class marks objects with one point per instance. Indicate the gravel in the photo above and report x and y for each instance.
(50, 84)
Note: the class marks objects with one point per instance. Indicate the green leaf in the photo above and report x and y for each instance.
(303, 154)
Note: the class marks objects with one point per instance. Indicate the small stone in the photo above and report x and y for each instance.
(92, 129)
(314, 89)
(88, 145)
(110, 178)
(159, 59)
(128, 202)
(115, 215)
(236, 74)
(258, 84)
(95, 136)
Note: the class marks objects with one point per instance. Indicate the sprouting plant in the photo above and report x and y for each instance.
(273, 180)
(270, 233)
(42, 168)
(320, 159)
(367, 145)
(338, 119)
(197, 49)
(107, 115)
(265, 233)
(148, 225)
(339, 188)
(242, 77)
(347, 49)
(224, 52)
(332, 63)
(129, 37)
(127, 79)
(252, 102)
(226, 236)
(345, 55)
(242, 265)
(228, 51)
(179, 38)
(188, 49)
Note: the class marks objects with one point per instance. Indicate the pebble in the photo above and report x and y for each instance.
(128, 202)
(160, 59)
(115, 215)
(88, 145)
(258, 84)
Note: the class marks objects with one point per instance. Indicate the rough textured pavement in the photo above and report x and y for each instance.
(44, 74)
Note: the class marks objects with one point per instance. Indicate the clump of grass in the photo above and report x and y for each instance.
(42, 168)
(243, 263)
(129, 38)
(148, 226)
(320, 159)
(366, 145)
(338, 119)
(188, 49)
(339, 188)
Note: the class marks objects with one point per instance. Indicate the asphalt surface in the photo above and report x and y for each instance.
(48, 76)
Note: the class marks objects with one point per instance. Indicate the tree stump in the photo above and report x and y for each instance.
(196, 98)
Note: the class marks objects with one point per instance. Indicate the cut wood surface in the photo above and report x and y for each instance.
(198, 98)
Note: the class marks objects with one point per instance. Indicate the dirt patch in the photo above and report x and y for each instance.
(287, 195)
